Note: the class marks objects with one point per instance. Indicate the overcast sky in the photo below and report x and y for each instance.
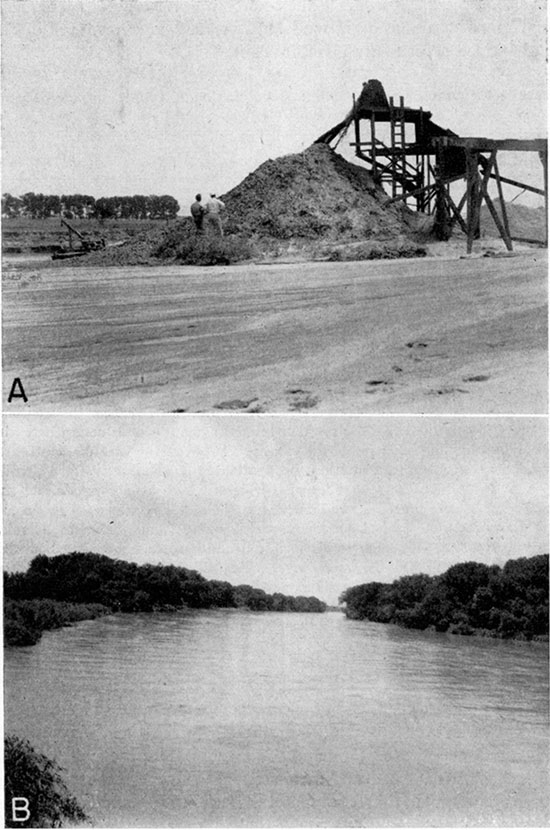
(116, 97)
(298, 504)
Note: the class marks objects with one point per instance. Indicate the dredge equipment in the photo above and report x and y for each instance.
(419, 160)
(86, 245)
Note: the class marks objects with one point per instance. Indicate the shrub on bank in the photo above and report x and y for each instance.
(25, 620)
(469, 598)
(32, 776)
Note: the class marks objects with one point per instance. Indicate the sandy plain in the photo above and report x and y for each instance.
(435, 335)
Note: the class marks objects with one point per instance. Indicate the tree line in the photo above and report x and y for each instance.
(469, 598)
(52, 587)
(82, 206)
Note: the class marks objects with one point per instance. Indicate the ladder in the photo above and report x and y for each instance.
(398, 142)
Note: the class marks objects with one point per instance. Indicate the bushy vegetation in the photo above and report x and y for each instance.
(31, 775)
(26, 619)
(182, 244)
(58, 590)
(376, 250)
(469, 598)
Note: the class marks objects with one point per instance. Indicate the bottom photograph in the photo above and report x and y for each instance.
(275, 621)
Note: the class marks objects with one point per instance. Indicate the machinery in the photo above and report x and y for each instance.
(86, 245)
(419, 160)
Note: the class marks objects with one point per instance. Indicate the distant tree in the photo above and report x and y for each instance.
(105, 208)
(463, 580)
(92, 579)
(12, 206)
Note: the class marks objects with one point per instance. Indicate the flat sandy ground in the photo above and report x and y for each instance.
(463, 335)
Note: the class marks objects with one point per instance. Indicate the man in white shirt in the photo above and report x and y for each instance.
(214, 207)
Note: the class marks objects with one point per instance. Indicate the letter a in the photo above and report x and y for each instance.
(17, 391)
(18, 808)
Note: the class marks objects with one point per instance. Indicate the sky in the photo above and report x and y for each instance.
(116, 97)
(302, 505)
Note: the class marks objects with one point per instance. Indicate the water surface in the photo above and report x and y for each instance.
(238, 719)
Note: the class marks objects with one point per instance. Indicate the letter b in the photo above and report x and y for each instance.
(20, 805)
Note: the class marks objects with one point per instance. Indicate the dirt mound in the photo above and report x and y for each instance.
(525, 222)
(311, 195)
(298, 200)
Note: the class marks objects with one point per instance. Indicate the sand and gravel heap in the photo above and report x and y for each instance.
(315, 194)
(311, 201)
(525, 222)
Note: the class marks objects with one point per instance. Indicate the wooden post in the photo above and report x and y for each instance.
(392, 142)
(356, 125)
(484, 194)
(456, 211)
(373, 143)
(544, 159)
(472, 183)
(502, 202)
(401, 138)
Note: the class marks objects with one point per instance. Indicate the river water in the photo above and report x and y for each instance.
(241, 719)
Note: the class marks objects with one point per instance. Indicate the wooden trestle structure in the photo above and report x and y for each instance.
(419, 160)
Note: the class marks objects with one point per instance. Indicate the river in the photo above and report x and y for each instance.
(225, 718)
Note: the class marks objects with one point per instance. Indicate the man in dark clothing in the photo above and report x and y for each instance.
(197, 212)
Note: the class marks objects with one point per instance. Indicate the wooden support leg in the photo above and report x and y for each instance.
(472, 192)
(484, 194)
(502, 203)
(456, 212)
(498, 223)
(373, 144)
(544, 160)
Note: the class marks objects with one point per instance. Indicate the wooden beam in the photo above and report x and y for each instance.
(393, 161)
(537, 145)
(472, 198)
(544, 161)
(373, 142)
(356, 125)
(522, 186)
(423, 189)
(409, 195)
(540, 242)
(502, 202)
(460, 206)
(484, 194)
(456, 212)
(498, 223)
(408, 150)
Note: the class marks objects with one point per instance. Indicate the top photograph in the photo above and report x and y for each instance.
(265, 207)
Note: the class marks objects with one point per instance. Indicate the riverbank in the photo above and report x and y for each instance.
(58, 590)
(470, 598)
(460, 629)
(26, 620)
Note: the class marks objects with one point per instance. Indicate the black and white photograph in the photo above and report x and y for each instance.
(277, 622)
(275, 436)
(324, 206)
